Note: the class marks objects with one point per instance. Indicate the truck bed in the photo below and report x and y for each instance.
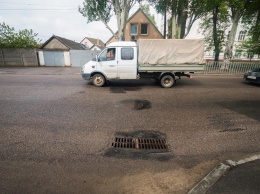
(174, 54)
(174, 68)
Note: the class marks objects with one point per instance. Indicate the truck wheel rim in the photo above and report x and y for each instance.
(99, 80)
(167, 81)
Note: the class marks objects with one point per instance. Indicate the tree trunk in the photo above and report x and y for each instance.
(122, 11)
(183, 25)
(173, 8)
(108, 27)
(165, 23)
(182, 17)
(173, 26)
(191, 21)
(215, 34)
(229, 47)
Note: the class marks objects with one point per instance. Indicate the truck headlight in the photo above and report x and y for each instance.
(82, 68)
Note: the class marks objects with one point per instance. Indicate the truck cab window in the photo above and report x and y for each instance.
(127, 53)
(108, 55)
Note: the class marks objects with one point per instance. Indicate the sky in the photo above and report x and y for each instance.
(59, 17)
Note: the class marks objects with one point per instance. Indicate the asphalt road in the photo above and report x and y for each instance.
(56, 131)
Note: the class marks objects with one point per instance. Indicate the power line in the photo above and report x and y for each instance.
(35, 4)
(50, 12)
(41, 9)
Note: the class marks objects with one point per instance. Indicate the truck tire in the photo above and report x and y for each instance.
(98, 80)
(167, 81)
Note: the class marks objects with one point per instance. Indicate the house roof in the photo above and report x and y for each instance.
(96, 42)
(134, 16)
(100, 47)
(71, 45)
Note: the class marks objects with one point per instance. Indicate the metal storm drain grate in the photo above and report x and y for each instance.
(140, 143)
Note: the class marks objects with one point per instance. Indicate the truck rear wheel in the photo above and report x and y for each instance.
(167, 81)
(98, 80)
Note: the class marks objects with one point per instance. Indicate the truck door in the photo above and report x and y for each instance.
(107, 63)
(127, 63)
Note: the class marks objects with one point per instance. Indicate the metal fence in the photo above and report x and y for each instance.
(229, 68)
(73, 58)
(81, 57)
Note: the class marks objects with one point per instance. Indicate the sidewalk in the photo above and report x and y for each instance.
(40, 70)
(238, 177)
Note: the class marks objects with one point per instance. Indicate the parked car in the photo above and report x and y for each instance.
(253, 76)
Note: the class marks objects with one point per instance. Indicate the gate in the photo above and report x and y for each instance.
(54, 58)
(18, 57)
(81, 57)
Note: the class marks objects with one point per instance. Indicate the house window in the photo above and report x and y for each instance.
(242, 35)
(127, 53)
(144, 29)
(133, 29)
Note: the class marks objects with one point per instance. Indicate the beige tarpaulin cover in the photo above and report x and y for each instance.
(170, 51)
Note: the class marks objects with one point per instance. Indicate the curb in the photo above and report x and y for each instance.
(221, 169)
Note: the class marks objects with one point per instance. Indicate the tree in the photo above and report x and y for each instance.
(164, 6)
(196, 10)
(101, 10)
(146, 10)
(21, 39)
(237, 10)
(161, 6)
(183, 14)
(251, 19)
(214, 24)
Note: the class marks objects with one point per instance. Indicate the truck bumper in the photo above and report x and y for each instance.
(86, 76)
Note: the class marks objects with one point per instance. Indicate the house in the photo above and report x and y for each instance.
(58, 51)
(59, 43)
(237, 54)
(139, 26)
(93, 44)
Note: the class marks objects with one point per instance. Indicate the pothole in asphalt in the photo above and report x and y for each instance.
(139, 145)
(137, 104)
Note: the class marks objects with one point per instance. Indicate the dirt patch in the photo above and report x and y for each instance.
(178, 181)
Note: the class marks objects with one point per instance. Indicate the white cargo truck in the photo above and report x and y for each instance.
(164, 60)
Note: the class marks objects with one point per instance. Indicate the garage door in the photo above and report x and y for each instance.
(54, 58)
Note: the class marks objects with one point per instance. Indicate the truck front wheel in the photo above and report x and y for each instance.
(98, 80)
(167, 81)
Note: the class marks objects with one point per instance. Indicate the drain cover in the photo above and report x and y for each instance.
(140, 143)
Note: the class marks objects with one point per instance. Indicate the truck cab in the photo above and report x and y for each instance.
(117, 61)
